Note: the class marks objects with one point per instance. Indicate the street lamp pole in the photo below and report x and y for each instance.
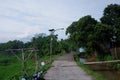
(52, 33)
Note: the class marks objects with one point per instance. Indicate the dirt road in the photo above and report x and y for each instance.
(65, 68)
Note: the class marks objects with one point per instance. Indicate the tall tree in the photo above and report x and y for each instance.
(88, 33)
(102, 38)
(111, 16)
(41, 43)
(81, 30)
(14, 44)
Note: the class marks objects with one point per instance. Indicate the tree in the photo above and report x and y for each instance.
(64, 45)
(93, 35)
(103, 33)
(15, 44)
(81, 30)
(41, 43)
(111, 16)
(102, 38)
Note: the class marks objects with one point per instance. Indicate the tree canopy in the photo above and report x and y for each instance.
(97, 36)
(91, 34)
(111, 16)
(81, 30)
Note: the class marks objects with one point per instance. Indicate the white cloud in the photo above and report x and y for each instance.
(21, 18)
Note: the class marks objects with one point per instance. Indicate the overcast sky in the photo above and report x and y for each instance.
(23, 18)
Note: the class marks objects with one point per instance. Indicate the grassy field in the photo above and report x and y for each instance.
(11, 68)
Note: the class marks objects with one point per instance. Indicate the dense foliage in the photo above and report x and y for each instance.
(111, 16)
(81, 30)
(88, 33)
(12, 45)
(97, 36)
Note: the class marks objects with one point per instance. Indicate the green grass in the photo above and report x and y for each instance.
(96, 75)
(13, 69)
(9, 70)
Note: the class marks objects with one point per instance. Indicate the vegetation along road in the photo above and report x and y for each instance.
(65, 68)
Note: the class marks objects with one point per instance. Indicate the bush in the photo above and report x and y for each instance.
(118, 66)
(6, 61)
(108, 57)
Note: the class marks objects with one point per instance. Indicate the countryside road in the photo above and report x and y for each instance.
(65, 68)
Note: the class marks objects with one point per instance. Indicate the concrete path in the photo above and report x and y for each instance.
(65, 68)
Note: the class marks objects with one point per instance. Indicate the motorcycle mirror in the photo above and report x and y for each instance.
(42, 63)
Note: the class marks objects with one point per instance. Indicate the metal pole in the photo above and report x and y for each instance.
(51, 49)
(36, 62)
(52, 33)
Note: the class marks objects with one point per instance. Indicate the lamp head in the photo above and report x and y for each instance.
(51, 30)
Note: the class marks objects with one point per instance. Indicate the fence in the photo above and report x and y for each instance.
(115, 52)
